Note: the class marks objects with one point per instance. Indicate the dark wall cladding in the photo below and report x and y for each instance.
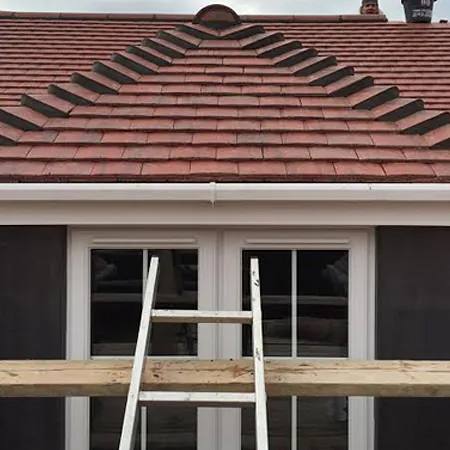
(413, 322)
(32, 326)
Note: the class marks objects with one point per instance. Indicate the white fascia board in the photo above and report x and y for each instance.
(225, 192)
(333, 192)
(96, 192)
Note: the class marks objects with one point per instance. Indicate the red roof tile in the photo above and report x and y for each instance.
(152, 98)
(162, 170)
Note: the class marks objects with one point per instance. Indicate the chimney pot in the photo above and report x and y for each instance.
(418, 10)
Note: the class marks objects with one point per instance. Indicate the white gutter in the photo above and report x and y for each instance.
(225, 192)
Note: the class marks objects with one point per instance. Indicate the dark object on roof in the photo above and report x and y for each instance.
(418, 10)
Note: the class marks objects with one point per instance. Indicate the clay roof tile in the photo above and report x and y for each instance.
(220, 97)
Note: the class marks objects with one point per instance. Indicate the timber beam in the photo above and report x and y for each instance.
(110, 377)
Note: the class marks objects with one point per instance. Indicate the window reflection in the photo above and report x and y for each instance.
(116, 298)
(167, 428)
(276, 279)
(320, 287)
(279, 420)
(321, 424)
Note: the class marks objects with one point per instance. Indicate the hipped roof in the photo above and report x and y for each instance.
(218, 97)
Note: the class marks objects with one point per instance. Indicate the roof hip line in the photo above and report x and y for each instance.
(127, 67)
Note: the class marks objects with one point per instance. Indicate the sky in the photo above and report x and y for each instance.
(392, 8)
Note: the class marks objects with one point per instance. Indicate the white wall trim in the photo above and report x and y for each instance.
(77, 336)
(244, 213)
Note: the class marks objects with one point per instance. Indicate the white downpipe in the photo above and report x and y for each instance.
(226, 192)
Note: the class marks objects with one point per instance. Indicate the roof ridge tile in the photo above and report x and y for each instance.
(163, 46)
(439, 137)
(293, 57)
(150, 54)
(164, 17)
(179, 38)
(330, 74)
(312, 65)
(423, 121)
(262, 40)
(116, 72)
(9, 135)
(278, 48)
(373, 96)
(95, 82)
(135, 63)
(23, 118)
(48, 104)
(242, 31)
(349, 85)
(73, 93)
(199, 31)
(397, 109)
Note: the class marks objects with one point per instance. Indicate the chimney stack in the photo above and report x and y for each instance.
(418, 10)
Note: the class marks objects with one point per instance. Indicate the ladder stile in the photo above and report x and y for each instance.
(262, 441)
(127, 437)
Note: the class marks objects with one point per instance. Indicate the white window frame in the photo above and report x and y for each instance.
(360, 245)
(78, 309)
(219, 254)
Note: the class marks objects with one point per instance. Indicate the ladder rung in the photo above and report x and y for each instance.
(195, 316)
(204, 399)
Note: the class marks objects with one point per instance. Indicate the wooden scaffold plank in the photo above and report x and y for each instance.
(111, 377)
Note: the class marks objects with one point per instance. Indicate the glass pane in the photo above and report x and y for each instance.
(322, 307)
(106, 415)
(322, 423)
(116, 299)
(275, 275)
(116, 303)
(279, 422)
(177, 289)
(168, 428)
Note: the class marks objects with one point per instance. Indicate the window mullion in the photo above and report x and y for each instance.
(294, 314)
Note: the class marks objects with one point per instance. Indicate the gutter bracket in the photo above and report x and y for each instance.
(213, 187)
